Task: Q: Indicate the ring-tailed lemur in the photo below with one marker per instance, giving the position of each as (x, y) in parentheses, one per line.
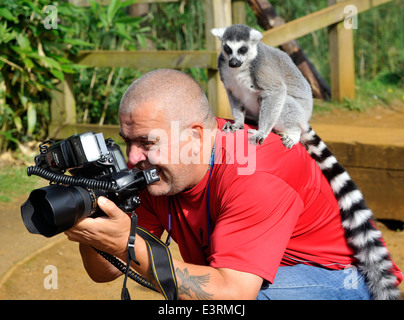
(263, 81)
(264, 85)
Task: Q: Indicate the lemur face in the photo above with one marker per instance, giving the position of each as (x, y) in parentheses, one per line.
(239, 43)
(236, 52)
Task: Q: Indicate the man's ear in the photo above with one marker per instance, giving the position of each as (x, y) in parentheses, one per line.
(197, 137)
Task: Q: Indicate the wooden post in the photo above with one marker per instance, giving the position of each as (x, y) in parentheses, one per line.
(342, 67)
(238, 11)
(63, 106)
(217, 15)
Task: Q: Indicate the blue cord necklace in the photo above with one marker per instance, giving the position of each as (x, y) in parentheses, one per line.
(210, 168)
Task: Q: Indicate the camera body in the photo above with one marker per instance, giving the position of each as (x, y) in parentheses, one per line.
(97, 167)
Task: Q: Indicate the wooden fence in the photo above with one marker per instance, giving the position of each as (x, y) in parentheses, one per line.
(220, 13)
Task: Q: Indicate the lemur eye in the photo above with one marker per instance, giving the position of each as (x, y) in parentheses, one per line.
(227, 49)
(243, 50)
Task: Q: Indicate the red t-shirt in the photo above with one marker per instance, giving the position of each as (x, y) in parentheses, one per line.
(268, 206)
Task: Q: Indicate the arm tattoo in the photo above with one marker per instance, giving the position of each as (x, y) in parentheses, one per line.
(193, 283)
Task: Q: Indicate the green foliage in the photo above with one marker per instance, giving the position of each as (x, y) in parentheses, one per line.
(167, 26)
(35, 49)
(99, 90)
(180, 26)
(110, 27)
(32, 61)
(379, 42)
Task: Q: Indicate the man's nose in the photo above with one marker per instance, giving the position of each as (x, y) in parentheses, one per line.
(136, 154)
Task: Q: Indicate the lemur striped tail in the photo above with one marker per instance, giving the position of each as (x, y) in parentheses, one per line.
(372, 256)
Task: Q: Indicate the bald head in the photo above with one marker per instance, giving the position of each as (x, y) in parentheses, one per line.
(174, 93)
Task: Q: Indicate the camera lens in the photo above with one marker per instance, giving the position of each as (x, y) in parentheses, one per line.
(56, 208)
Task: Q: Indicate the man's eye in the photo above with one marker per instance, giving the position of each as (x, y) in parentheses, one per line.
(148, 144)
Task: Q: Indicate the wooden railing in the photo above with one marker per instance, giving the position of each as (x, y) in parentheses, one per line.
(219, 13)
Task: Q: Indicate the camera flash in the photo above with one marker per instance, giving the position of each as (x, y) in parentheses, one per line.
(90, 146)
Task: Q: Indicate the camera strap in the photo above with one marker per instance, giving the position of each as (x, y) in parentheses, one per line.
(131, 255)
(161, 264)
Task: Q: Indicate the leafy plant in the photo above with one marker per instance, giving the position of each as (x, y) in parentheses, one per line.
(33, 59)
(107, 28)
(180, 26)
(35, 49)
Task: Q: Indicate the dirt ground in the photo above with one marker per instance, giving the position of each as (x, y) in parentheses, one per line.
(25, 259)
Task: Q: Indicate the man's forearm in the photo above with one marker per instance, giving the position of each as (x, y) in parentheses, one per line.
(194, 282)
(99, 269)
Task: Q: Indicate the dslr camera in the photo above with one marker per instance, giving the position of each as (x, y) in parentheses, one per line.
(97, 167)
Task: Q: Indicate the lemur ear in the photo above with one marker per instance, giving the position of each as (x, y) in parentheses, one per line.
(255, 35)
(218, 32)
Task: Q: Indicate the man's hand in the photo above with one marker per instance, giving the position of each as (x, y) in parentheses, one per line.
(110, 234)
(107, 233)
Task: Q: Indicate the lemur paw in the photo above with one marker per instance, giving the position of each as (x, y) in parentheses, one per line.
(257, 136)
(228, 126)
(287, 141)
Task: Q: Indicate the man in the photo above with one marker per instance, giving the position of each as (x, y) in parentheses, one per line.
(269, 229)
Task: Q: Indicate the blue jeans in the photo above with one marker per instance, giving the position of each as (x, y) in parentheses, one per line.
(303, 282)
